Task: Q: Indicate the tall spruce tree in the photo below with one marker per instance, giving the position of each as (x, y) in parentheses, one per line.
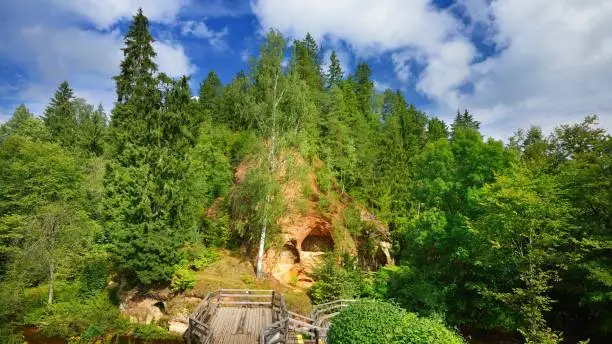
(334, 72)
(211, 91)
(137, 76)
(151, 133)
(60, 116)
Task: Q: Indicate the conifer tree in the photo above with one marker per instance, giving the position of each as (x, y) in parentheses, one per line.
(211, 91)
(364, 87)
(464, 120)
(137, 76)
(60, 116)
(436, 129)
(151, 132)
(307, 63)
(334, 72)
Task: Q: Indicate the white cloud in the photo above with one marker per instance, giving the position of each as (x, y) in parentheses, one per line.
(105, 13)
(554, 65)
(245, 55)
(557, 66)
(380, 86)
(172, 60)
(201, 30)
(87, 59)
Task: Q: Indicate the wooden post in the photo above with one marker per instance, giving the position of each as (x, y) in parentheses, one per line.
(189, 331)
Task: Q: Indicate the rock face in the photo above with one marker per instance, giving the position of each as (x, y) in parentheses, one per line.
(145, 310)
(308, 231)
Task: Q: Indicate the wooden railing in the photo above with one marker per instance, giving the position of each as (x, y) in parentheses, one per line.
(199, 332)
(323, 313)
(286, 328)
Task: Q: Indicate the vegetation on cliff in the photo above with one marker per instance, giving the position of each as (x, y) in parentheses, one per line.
(487, 236)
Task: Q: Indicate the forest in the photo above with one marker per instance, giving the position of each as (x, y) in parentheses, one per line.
(488, 237)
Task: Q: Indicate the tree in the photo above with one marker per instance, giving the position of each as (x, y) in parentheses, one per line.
(524, 223)
(364, 87)
(136, 79)
(57, 233)
(334, 72)
(436, 129)
(306, 62)
(270, 87)
(23, 123)
(464, 120)
(60, 117)
(153, 129)
(211, 91)
(91, 126)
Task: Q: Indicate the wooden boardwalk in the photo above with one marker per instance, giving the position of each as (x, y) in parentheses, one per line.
(239, 325)
(240, 316)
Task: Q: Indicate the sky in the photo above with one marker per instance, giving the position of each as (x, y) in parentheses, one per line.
(512, 63)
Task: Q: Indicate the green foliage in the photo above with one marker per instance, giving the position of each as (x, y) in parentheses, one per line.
(184, 279)
(418, 330)
(257, 191)
(351, 219)
(336, 281)
(368, 322)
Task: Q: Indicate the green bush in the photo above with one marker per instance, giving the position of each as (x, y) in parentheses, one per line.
(423, 331)
(184, 279)
(334, 281)
(367, 322)
(374, 322)
(94, 273)
(352, 220)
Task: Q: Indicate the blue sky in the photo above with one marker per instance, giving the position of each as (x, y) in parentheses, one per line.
(513, 63)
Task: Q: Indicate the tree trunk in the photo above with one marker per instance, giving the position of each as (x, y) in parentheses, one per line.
(51, 280)
(272, 168)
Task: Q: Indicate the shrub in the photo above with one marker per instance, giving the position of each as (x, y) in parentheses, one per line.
(335, 281)
(184, 279)
(417, 330)
(352, 220)
(373, 322)
(367, 322)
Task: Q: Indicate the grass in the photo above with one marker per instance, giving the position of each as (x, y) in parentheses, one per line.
(233, 270)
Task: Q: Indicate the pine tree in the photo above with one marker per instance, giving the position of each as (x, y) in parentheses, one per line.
(464, 120)
(436, 129)
(152, 131)
(211, 91)
(334, 73)
(364, 87)
(60, 117)
(307, 63)
(137, 76)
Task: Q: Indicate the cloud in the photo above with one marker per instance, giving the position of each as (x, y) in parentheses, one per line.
(556, 66)
(414, 32)
(47, 50)
(87, 59)
(172, 60)
(545, 62)
(105, 13)
(380, 86)
(200, 29)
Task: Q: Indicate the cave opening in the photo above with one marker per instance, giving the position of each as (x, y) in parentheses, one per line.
(318, 243)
